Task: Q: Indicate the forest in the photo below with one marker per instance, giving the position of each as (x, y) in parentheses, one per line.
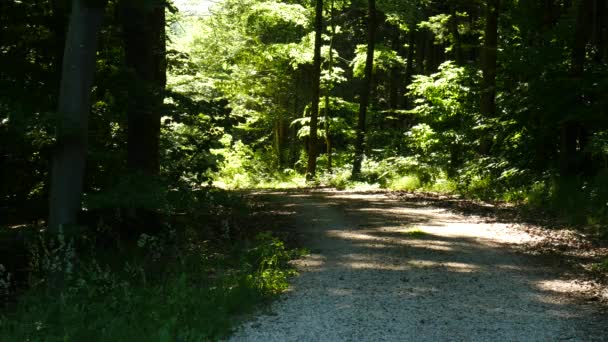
(133, 133)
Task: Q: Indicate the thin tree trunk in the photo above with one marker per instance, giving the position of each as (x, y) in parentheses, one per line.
(488, 67)
(69, 155)
(488, 60)
(395, 73)
(311, 167)
(145, 54)
(328, 146)
(457, 43)
(600, 30)
(409, 67)
(367, 87)
(571, 130)
(420, 51)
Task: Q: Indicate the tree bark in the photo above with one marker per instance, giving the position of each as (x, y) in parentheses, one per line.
(395, 80)
(571, 131)
(600, 30)
(328, 145)
(420, 51)
(411, 52)
(457, 41)
(367, 87)
(69, 155)
(311, 167)
(488, 68)
(488, 60)
(144, 41)
(145, 54)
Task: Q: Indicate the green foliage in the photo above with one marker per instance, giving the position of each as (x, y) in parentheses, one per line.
(192, 296)
(438, 24)
(415, 232)
(339, 179)
(384, 59)
(273, 270)
(601, 267)
(446, 107)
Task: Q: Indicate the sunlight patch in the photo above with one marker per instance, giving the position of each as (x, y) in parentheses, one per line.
(369, 265)
(458, 267)
(313, 261)
(350, 235)
(563, 286)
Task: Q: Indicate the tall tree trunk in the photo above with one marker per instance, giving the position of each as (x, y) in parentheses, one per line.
(70, 151)
(144, 41)
(420, 50)
(411, 50)
(330, 67)
(58, 23)
(488, 60)
(600, 31)
(488, 67)
(145, 56)
(311, 167)
(571, 130)
(367, 87)
(395, 80)
(457, 41)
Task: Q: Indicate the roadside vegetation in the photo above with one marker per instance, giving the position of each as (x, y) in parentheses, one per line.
(127, 127)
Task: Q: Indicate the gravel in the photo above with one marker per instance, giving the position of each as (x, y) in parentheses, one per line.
(382, 269)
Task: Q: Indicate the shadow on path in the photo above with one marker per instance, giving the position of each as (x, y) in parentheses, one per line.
(385, 270)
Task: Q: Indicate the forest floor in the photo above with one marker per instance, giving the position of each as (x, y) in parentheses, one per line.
(394, 266)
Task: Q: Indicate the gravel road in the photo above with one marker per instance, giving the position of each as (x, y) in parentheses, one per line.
(382, 269)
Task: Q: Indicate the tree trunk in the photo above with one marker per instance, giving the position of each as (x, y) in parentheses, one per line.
(457, 43)
(144, 41)
(488, 60)
(69, 154)
(420, 51)
(409, 67)
(395, 79)
(367, 87)
(600, 31)
(571, 130)
(145, 55)
(311, 167)
(488, 68)
(327, 93)
(57, 25)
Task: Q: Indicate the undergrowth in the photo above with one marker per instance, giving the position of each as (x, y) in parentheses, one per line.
(174, 286)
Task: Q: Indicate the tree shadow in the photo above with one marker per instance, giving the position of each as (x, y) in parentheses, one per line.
(365, 263)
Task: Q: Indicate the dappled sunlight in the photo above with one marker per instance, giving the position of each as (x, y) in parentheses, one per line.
(395, 264)
(458, 267)
(312, 262)
(562, 286)
(516, 268)
(300, 195)
(431, 244)
(350, 235)
(340, 292)
(370, 265)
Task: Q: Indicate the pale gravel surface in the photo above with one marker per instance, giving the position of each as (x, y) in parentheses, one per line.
(368, 280)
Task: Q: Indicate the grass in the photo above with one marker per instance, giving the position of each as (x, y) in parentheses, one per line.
(195, 299)
(600, 267)
(414, 232)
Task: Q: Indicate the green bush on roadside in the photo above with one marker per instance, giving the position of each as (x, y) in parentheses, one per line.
(194, 297)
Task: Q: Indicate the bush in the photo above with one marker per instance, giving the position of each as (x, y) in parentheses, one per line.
(195, 301)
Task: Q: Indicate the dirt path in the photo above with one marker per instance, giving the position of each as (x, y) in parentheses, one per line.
(388, 270)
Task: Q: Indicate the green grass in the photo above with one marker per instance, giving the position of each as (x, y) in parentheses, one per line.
(194, 298)
(600, 267)
(414, 232)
